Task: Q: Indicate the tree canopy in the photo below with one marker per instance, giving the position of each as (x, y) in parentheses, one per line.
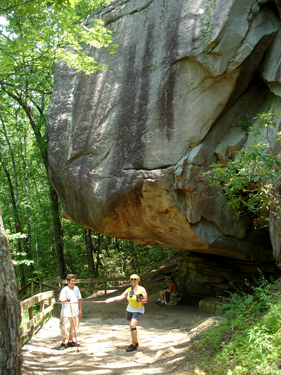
(35, 35)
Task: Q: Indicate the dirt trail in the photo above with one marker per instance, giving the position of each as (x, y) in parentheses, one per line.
(164, 333)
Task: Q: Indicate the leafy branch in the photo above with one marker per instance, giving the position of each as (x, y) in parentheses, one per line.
(251, 181)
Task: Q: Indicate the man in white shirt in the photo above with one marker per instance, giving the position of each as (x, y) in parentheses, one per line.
(70, 312)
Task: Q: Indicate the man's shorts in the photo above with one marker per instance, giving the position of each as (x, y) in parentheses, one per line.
(66, 325)
(135, 315)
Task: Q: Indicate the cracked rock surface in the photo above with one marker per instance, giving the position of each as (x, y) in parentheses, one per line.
(128, 145)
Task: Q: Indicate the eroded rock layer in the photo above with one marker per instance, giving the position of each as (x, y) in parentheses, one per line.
(128, 145)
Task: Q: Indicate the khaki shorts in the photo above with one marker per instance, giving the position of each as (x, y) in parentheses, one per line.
(66, 326)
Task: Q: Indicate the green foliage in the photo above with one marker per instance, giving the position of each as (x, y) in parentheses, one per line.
(28, 6)
(118, 257)
(250, 181)
(245, 123)
(248, 339)
(85, 7)
(36, 35)
(27, 175)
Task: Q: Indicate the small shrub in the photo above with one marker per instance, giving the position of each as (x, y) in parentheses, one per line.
(248, 341)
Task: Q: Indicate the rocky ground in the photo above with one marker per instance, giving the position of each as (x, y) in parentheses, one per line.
(164, 332)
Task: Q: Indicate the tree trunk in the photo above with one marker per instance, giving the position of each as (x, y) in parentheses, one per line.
(10, 317)
(22, 276)
(133, 258)
(90, 249)
(97, 251)
(58, 232)
(90, 259)
(117, 245)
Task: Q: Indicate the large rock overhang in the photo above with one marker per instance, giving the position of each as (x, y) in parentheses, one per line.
(127, 146)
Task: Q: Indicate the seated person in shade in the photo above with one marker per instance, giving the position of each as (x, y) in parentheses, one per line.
(165, 295)
(167, 276)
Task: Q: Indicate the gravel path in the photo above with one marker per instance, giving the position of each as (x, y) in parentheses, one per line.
(164, 334)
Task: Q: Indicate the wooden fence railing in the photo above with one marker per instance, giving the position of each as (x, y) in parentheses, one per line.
(30, 302)
(94, 284)
(60, 282)
(49, 297)
(33, 288)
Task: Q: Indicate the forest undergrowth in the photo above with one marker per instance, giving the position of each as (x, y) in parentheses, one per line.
(247, 341)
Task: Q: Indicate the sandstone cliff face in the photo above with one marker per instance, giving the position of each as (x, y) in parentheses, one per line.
(128, 146)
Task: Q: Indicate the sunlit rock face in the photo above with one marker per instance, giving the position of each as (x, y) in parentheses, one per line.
(128, 145)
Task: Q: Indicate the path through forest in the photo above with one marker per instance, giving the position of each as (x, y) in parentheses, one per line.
(164, 334)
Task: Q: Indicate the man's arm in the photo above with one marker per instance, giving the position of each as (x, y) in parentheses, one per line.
(67, 300)
(80, 307)
(63, 296)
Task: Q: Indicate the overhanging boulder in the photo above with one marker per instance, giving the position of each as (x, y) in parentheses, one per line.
(127, 146)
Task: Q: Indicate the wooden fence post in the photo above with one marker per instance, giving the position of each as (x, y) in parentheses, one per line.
(42, 309)
(30, 315)
(50, 302)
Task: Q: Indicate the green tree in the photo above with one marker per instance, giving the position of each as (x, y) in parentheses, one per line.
(23, 185)
(34, 37)
(35, 34)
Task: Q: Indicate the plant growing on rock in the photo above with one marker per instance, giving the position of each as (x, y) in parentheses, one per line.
(251, 181)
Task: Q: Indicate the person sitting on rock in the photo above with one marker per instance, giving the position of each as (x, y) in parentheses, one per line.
(165, 295)
(167, 276)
